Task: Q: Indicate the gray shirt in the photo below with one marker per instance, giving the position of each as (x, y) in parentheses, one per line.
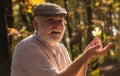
(34, 57)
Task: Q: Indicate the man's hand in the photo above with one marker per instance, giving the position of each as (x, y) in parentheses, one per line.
(95, 48)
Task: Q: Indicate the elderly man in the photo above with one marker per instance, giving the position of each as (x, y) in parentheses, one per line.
(42, 54)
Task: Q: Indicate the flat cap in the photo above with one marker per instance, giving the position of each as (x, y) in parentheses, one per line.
(49, 9)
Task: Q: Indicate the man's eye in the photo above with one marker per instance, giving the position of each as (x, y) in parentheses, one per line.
(51, 21)
(60, 21)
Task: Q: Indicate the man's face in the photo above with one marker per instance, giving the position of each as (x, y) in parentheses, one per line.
(51, 29)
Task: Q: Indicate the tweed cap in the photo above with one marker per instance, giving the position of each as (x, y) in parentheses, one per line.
(49, 9)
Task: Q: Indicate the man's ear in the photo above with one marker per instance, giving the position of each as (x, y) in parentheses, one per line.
(35, 24)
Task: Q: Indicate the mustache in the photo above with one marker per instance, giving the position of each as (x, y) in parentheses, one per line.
(55, 30)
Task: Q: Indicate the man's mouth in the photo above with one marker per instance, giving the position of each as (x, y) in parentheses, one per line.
(55, 31)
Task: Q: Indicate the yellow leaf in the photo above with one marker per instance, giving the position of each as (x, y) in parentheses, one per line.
(36, 2)
(97, 3)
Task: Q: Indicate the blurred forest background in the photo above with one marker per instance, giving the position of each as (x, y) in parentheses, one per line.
(85, 19)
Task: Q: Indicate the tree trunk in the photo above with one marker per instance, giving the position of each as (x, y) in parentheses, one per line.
(89, 18)
(5, 20)
(69, 30)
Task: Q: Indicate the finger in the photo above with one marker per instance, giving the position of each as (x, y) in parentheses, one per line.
(106, 48)
(95, 41)
(93, 48)
(92, 42)
(98, 42)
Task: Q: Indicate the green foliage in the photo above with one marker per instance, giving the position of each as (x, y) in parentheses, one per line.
(95, 72)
